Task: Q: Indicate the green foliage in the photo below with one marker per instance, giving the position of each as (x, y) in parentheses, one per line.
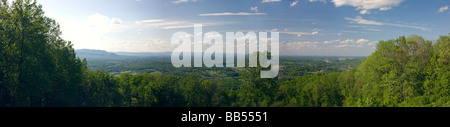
(403, 72)
(254, 90)
(38, 68)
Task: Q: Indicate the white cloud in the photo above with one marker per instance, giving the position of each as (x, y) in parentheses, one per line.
(102, 24)
(171, 24)
(370, 29)
(348, 45)
(159, 24)
(180, 1)
(360, 20)
(293, 3)
(301, 45)
(229, 13)
(361, 41)
(140, 45)
(183, 1)
(442, 9)
(330, 47)
(299, 34)
(332, 41)
(268, 1)
(177, 26)
(323, 1)
(150, 21)
(90, 32)
(364, 12)
(341, 46)
(98, 31)
(366, 5)
(372, 43)
(315, 31)
(116, 21)
(168, 24)
(408, 26)
(254, 8)
(365, 27)
(347, 41)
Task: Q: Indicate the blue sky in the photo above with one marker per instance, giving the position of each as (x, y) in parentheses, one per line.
(307, 27)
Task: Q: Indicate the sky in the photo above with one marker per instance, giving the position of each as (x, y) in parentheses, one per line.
(306, 27)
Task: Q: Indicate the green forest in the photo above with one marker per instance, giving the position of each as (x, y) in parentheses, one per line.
(40, 69)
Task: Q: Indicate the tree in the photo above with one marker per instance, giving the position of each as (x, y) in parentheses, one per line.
(35, 60)
(254, 90)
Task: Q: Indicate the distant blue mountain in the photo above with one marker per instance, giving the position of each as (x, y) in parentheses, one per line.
(94, 54)
(145, 54)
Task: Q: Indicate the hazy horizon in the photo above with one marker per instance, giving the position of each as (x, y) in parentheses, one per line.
(225, 53)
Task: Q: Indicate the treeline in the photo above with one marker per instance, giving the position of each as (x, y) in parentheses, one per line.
(38, 68)
(402, 72)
